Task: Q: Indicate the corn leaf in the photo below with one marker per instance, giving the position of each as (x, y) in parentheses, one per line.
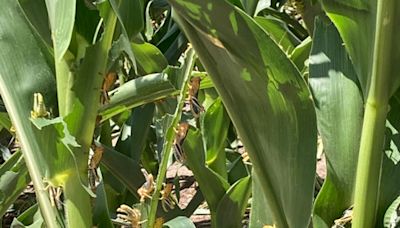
(356, 22)
(234, 203)
(23, 72)
(62, 19)
(265, 97)
(215, 125)
(14, 178)
(180, 222)
(211, 184)
(335, 88)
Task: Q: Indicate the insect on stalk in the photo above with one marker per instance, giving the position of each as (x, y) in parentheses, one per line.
(195, 107)
(180, 136)
(94, 163)
(168, 201)
(108, 82)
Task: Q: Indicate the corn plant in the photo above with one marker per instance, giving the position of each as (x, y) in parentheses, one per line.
(104, 98)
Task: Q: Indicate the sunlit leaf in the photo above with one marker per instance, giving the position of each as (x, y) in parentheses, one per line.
(265, 97)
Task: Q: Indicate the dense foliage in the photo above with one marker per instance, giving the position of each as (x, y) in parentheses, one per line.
(106, 101)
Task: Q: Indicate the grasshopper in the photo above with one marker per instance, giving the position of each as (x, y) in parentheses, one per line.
(167, 199)
(147, 188)
(94, 163)
(108, 82)
(195, 107)
(39, 108)
(180, 136)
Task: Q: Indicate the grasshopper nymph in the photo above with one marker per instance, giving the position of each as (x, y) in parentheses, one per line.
(39, 108)
(167, 199)
(180, 136)
(147, 188)
(195, 106)
(108, 83)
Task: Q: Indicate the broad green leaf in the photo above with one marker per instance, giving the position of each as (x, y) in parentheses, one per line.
(172, 43)
(130, 16)
(14, 178)
(24, 71)
(57, 148)
(234, 203)
(64, 166)
(235, 166)
(62, 18)
(180, 222)
(211, 184)
(279, 32)
(260, 214)
(141, 91)
(266, 98)
(36, 12)
(250, 6)
(356, 22)
(117, 164)
(134, 133)
(335, 89)
(297, 28)
(214, 129)
(300, 54)
(148, 57)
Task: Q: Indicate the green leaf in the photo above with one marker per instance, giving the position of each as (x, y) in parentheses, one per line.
(139, 91)
(62, 18)
(234, 203)
(101, 215)
(211, 184)
(300, 54)
(279, 32)
(262, 91)
(36, 13)
(250, 6)
(214, 129)
(260, 214)
(335, 88)
(117, 163)
(149, 58)
(5, 120)
(180, 222)
(356, 22)
(130, 15)
(14, 178)
(30, 218)
(23, 72)
(135, 131)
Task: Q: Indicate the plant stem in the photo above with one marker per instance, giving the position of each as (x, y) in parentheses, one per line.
(85, 94)
(77, 204)
(373, 132)
(169, 136)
